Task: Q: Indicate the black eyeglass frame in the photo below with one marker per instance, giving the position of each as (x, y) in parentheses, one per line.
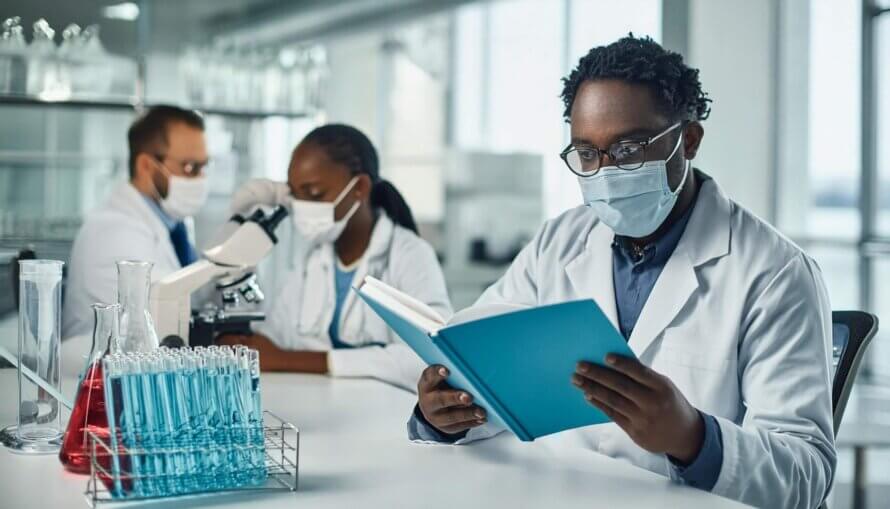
(610, 152)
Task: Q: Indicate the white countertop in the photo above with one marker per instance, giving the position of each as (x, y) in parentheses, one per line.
(354, 452)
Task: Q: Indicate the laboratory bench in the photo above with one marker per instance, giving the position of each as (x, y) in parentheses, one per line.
(354, 451)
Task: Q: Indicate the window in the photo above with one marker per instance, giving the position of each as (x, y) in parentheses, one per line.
(509, 58)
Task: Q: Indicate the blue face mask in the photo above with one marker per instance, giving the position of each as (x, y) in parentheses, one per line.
(633, 203)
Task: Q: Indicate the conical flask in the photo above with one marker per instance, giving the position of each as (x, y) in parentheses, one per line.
(133, 286)
(89, 414)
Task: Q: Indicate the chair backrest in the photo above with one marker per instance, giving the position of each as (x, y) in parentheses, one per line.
(852, 331)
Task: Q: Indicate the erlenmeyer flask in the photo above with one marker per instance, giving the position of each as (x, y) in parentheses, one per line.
(133, 286)
(89, 414)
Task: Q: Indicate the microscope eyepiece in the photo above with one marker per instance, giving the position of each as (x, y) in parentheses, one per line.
(270, 222)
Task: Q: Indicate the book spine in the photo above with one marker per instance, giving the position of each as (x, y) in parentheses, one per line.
(445, 347)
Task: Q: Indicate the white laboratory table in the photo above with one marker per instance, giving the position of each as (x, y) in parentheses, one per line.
(354, 452)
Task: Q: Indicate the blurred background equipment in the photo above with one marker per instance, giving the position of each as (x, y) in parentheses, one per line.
(461, 97)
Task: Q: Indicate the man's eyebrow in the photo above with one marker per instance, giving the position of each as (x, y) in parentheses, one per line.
(635, 134)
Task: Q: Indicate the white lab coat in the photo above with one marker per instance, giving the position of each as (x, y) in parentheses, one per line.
(739, 320)
(301, 313)
(125, 228)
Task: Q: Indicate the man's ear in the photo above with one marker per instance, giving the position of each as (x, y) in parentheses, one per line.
(143, 167)
(692, 136)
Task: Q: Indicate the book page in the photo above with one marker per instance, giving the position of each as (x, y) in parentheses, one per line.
(404, 305)
(479, 312)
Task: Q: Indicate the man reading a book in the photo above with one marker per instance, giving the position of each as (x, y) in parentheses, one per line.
(730, 320)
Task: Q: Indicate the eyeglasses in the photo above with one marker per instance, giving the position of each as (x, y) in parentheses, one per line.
(626, 155)
(190, 168)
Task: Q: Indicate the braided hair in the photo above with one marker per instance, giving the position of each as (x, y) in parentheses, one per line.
(348, 146)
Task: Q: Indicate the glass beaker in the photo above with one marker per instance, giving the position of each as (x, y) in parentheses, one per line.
(39, 426)
(89, 414)
(133, 287)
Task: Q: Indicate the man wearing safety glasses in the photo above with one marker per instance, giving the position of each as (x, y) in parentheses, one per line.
(145, 217)
(729, 319)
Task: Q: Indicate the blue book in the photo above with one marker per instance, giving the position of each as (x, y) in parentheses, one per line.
(516, 361)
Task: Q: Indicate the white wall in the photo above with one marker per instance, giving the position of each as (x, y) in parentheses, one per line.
(352, 91)
(732, 43)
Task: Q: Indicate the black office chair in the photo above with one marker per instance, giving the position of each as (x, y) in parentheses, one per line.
(852, 331)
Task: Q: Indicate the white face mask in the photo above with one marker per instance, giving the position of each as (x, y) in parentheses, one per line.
(185, 196)
(633, 203)
(315, 220)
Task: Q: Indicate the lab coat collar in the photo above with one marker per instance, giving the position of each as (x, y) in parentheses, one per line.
(590, 272)
(128, 200)
(378, 249)
(706, 238)
(316, 310)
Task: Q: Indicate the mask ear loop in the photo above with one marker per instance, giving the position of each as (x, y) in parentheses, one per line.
(352, 210)
(685, 167)
(345, 191)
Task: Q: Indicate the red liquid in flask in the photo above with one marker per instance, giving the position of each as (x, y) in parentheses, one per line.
(88, 416)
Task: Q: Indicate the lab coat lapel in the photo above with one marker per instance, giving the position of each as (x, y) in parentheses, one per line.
(675, 285)
(591, 271)
(706, 237)
(316, 300)
(374, 257)
(126, 199)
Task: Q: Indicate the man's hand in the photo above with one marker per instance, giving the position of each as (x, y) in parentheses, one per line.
(645, 404)
(448, 410)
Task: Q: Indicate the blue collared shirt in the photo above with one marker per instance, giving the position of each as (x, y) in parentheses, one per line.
(185, 251)
(165, 218)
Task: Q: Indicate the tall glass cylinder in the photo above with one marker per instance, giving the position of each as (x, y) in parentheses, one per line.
(39, 427)
(133, 287)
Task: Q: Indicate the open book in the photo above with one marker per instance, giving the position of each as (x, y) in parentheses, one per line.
(516, 361)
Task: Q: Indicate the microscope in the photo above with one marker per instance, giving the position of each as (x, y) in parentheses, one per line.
(231, 262)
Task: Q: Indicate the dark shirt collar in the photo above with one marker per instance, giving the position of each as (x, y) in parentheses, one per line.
(659, 250)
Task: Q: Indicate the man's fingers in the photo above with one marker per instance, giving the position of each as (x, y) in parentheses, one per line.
(614, 380)
(445, 399)
(617, 417)
(461, 427)
(455, 416)
(608, 396)
(431, 377)
(634, 369)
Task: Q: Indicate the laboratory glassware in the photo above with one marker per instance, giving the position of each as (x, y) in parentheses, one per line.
(43, 78)
(12, 56)
(39, 427)
(88, 415)
(133, 287)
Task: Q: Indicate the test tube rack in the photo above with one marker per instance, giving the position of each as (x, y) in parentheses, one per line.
(282, 451)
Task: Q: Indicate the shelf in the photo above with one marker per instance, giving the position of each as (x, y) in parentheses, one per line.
(134, 104)
(21, 100)
(249, 114)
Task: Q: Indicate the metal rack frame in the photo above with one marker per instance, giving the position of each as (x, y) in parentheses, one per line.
(282, 453)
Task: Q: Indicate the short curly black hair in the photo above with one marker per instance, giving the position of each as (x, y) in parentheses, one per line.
(643, 61)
